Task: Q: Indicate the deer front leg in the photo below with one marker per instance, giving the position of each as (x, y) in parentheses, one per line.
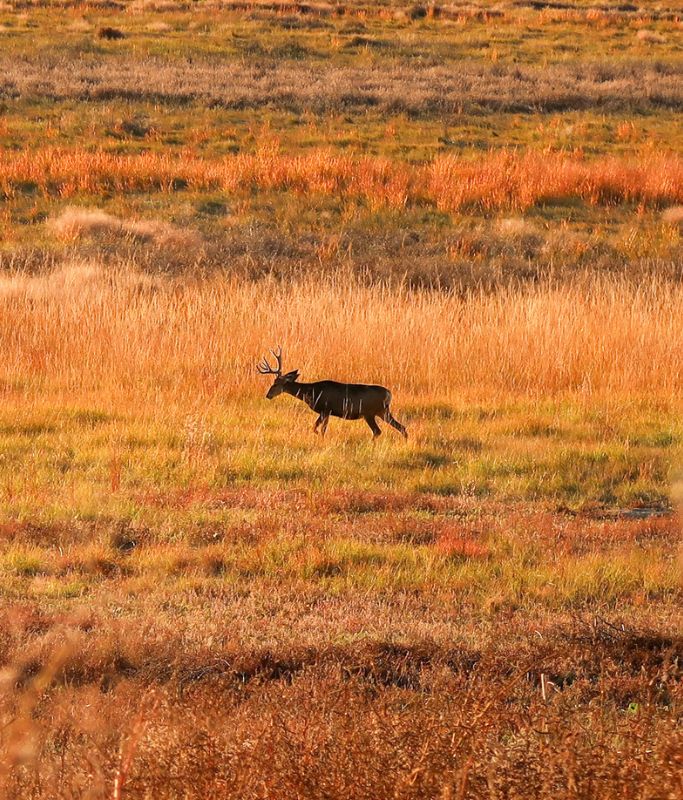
(374, 427)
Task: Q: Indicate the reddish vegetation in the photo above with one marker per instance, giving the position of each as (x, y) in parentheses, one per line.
(578, 710)
(453, 544)
(505, 179)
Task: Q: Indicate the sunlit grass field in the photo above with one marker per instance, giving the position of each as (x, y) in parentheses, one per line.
(171, 538)
(477, 206)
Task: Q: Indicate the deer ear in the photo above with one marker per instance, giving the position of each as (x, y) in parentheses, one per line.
(291, 376)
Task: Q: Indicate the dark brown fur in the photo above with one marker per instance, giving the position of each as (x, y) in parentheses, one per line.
(334, 399)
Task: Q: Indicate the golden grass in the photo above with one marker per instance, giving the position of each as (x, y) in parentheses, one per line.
(82, 327)
(504, 179)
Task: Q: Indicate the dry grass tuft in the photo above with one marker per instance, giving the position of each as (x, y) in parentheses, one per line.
(158, 27)
(515, 227)
(155, 7)
(454, 545)
(160, 234)
(673, 215)
(651, 37)
(74, 223)
(80, 24)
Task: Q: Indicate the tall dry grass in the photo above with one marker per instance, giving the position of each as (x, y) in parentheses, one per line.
(84, 328)
(508, 179)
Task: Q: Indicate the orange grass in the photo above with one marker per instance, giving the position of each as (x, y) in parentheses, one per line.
(84, 328)
(503, 179)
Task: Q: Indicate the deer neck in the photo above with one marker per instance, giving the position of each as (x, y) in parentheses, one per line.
(299, 390)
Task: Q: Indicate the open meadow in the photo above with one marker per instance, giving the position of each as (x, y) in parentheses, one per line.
(477, 206)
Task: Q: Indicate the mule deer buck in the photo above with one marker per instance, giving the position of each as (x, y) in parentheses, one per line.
(333, 399)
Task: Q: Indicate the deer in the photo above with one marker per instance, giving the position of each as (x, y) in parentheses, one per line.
(333, 399)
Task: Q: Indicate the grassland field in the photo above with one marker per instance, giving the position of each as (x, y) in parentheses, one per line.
(479, 206)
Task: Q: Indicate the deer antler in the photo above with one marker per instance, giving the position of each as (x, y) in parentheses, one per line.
(264, 367)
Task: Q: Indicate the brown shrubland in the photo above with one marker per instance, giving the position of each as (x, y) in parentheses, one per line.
(298, 86)
(581, 708)
(614, 13)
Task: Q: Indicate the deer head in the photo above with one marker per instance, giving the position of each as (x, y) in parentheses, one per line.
(281, 380)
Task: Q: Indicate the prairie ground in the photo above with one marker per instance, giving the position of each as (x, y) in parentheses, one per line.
(479, 207)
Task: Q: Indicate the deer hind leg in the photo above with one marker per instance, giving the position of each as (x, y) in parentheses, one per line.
(323, 419)
(374, 427)
(395, 423)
